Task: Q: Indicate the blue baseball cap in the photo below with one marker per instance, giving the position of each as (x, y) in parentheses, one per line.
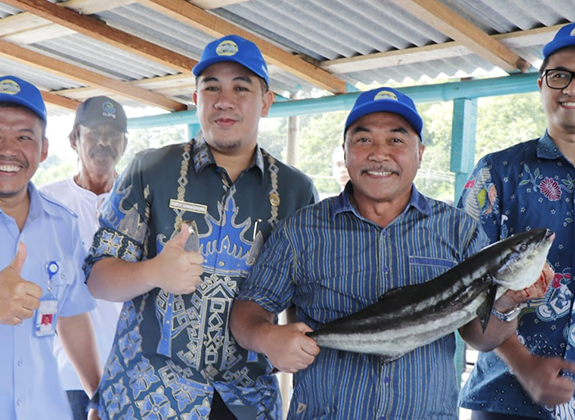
(236, 49)
(18, 91)
(385, 99)
(565, 37)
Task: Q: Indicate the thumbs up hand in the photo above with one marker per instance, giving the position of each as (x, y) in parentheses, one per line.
(176, 270)
(18, 298)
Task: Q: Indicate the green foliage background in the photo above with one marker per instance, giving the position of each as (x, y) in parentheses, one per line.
(502, 122)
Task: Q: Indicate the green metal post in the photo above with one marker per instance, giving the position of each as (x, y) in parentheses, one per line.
(463, 130)
(193, 129)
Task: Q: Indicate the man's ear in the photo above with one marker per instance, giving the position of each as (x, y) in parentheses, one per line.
(268, 100)
(44, 153)
(73, 138)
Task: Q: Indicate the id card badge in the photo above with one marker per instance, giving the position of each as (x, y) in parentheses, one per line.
(45, 322)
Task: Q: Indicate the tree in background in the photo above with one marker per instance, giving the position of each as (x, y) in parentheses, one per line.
(502, 122)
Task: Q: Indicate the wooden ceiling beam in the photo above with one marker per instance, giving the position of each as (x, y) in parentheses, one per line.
(61, 101)
(214, 4)
(84, 76)
(519, 39)
(445, 20)
(206, 22)
(102, 32)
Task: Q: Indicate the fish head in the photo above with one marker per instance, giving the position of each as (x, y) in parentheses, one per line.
(523, 257)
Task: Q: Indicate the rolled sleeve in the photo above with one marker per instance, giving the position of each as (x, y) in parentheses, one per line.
(271, 283)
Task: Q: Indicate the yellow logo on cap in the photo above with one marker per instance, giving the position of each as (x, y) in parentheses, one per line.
(572, 32)
(227, 47)
(10, 87)
(385, 94)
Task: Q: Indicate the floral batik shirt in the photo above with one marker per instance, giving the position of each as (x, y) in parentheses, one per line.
(171, 351)
(527, 186)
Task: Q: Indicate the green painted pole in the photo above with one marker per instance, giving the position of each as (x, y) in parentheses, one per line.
(463, 131)
(507, 85)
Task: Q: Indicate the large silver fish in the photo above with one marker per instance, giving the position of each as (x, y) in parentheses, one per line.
(409, 317)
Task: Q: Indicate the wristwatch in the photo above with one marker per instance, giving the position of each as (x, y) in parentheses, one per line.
(510, 315)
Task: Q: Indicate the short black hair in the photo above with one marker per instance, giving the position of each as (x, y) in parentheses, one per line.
(6, 104)
(546, 60)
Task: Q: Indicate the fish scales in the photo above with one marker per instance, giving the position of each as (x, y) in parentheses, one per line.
(408, 317)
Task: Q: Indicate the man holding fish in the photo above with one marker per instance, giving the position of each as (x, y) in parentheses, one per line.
(341, 255)
(526, 186)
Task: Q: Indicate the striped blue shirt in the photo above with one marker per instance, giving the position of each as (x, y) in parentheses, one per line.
(329, 262)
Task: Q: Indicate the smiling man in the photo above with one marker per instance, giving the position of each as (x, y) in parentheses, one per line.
(341, 255)
(524, 187)
(42, 286)
(99, 138)
(173, 354)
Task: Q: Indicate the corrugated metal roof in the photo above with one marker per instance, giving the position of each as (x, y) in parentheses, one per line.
(324, 32)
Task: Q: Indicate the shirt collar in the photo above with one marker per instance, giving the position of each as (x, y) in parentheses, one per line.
(343, 204)
(203, 157)
(546, 148)
(37, 204)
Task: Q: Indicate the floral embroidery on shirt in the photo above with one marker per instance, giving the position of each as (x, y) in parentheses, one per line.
(550, 189)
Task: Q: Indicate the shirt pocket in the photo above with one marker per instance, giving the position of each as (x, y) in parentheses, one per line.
(326, 298)
(424, 268)
(62, 279)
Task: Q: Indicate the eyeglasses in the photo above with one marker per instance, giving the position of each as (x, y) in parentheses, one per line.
(558, 78)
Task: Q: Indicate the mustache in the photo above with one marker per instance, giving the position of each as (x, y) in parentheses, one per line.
(11, 159)
(378, 169)
(103, 150)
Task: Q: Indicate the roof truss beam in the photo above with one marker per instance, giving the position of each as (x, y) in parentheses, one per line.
(84, 76)
(445, 20)
(519, 39)
(102, 32)
(206, 22)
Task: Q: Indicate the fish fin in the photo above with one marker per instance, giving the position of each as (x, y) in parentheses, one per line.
(391, 293)
(388, 358)
(484, 311)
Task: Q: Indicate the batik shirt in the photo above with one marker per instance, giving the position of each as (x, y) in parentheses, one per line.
(171, 351)
(527, 186)
(330, 262)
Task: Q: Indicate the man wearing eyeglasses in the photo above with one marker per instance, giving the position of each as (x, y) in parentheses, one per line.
(527, 186)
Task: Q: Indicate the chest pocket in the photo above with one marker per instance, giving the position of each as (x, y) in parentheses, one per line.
(61, 280)
(422, 269)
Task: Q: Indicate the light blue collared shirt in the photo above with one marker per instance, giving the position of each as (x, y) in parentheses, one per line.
(29, 383)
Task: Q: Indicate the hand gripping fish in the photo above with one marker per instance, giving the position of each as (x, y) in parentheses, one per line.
(412, 316)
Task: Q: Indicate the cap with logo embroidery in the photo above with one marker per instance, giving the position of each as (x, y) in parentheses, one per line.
(385, 99)
(18, 91)
(236, 49)
(101, 110)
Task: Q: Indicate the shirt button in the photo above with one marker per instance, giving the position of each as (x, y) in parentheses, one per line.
(20, 362)
(19, 402)
(386, 269)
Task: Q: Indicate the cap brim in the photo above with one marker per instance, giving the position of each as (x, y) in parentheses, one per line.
(557, 45)
(18, 100)
(200, 67)
(386, 105)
